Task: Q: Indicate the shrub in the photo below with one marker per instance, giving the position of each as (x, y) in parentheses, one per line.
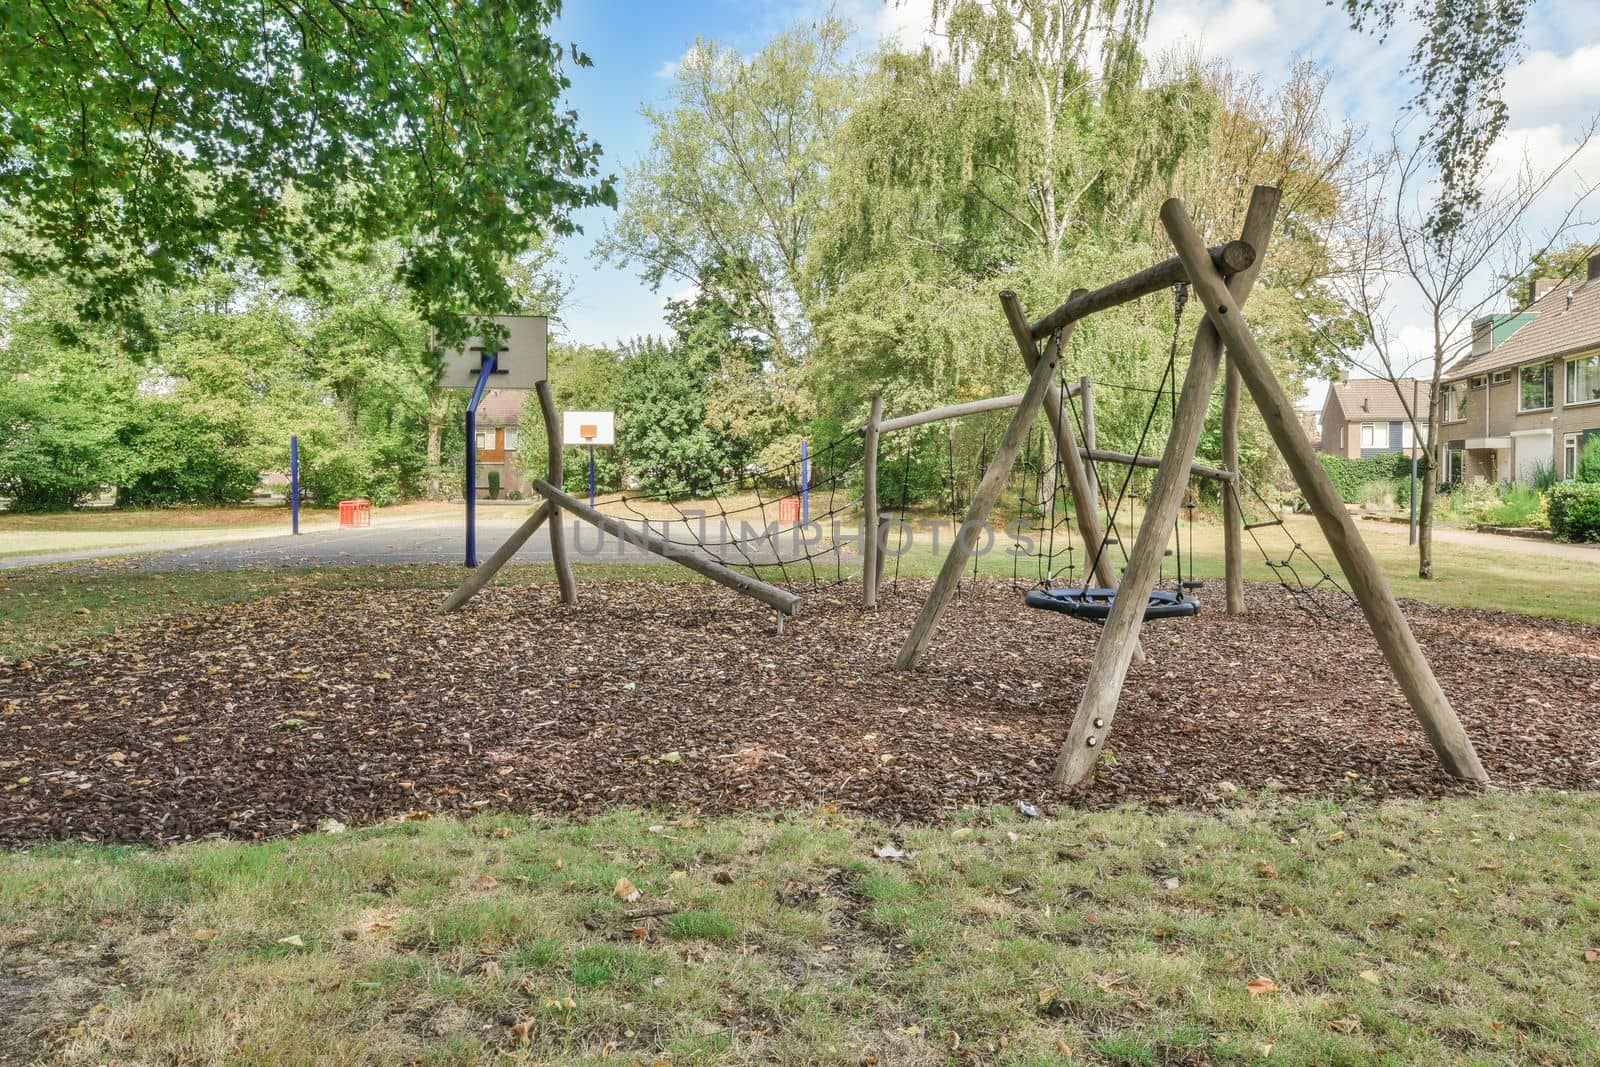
(1518, 506)
(1376, 493)
(1589, 463)
(1541, 476)
(1351, 476)
(494, 485)
(1575, 511)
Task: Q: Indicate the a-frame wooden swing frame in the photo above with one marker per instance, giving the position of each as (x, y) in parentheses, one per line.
(1220, 279)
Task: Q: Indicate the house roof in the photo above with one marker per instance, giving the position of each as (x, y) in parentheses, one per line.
(1556, 330)
(1375, 399)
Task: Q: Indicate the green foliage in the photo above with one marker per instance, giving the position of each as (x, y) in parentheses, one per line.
(1575, 511)
(1352, 476)
(1541, 476)
(494, 484)
(1589, 462)
(149, 143)
(662, 433)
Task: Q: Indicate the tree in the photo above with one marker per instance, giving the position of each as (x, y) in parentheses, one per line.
(1397, 256)
(145, 143)
(732, 179)
(662, 433)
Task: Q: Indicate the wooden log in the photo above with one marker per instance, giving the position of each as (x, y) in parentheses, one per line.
(1090, 437)
(780, 599)
(1083, 493)
(1232, 519)
(869, 508)
(558, 535)
(1231, 258)
(984, 499)
(1411, 669)
(1101, 455)
(883, 541)
(502, 555)
(1103, 689)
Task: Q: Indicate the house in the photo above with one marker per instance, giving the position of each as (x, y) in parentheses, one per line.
(1526, 397)
(500, 443)
(1364, 417)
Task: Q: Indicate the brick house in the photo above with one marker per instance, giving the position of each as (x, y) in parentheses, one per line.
(500, 442)
(1527, 395)
(1364, 417)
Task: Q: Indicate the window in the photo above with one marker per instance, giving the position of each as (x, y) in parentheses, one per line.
(1538, 388)
(1583, 380)
(1374, 435)
(1480, 381)
(1455, 466)
(1501, 377)
(513, 439)
(1455, 403)
(1570, 451)
(485, 440)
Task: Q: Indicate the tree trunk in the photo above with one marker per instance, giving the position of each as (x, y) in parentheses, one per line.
(1429, 484)
(437, 410)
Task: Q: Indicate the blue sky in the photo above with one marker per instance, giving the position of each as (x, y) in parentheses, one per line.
(633, 46)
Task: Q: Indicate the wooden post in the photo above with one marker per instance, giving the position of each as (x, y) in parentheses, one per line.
(1090, 437)
(502, 555)
(869, 508)
(1231, 258)
(1127, 459)
(558, 536)
(883, 542)
(1083, 497)
(1103, 690)
(983, 502)
(1428, 701)
(1232, 520)
(779, 599)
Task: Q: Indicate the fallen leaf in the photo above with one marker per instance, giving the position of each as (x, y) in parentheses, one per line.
(625, 891)
(331, 826)
(1371, 977)
(1591, 955)
(485, 881)
(888, 852)
(1345, 1024)
(292, 939)
(206, 935)
(1260, 987)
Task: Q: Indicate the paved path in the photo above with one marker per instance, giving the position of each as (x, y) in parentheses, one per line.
(1513, 546)
(419, 540)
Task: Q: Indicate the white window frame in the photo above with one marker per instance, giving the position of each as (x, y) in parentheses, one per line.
(1451, 407)
(1501, 377)
(1570, 454)
(513, 439)
(1550, 388)
(1455, 462)
(1569, 379)
(1375, 435)
(483, 436)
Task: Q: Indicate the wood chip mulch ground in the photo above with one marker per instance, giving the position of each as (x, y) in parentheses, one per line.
(265, 719)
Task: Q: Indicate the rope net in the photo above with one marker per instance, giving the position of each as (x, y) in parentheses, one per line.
(740, 524)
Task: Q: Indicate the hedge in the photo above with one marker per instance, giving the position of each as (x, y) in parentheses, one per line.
(1575, 511)
(1350, 475)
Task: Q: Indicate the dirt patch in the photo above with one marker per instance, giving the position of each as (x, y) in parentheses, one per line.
(263, 719)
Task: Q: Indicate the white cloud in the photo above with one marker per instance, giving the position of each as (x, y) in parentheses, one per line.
(1211, 30)
(907, 22)
(1547, 81)
(1539, 149)
(669, 69)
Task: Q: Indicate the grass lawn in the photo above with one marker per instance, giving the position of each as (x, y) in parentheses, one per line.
(1274, 932)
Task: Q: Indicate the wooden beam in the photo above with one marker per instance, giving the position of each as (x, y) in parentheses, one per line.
(1090, 437)
(502, 555)
(1231, 258)
(1232, 519)
(558, 535)
(1389, 627)
(869, 509)
(1100, 455)
(984, 499)
(780, 599)
(1083, 491)
(1103, 690)
(952, 411)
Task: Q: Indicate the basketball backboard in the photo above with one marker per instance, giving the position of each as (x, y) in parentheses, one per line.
(597, 428)
(521, 357)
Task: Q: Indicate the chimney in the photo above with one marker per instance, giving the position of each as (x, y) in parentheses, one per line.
(1483, 336)
(1541, 286)
(1594, 266)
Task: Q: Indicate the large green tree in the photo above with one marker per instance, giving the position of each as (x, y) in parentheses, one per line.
(145, 143)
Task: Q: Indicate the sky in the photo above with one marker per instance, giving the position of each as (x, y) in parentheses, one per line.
(1552, 93)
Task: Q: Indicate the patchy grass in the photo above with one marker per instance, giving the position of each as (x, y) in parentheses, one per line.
(1316, 933)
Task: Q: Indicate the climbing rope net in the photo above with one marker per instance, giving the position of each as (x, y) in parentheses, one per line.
(740, 521)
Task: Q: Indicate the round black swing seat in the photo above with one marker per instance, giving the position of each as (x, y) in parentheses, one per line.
(1096, 604)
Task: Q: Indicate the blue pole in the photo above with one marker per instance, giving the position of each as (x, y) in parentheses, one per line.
(294, 483)
(591, 476)
(805, 481)
(485, 369)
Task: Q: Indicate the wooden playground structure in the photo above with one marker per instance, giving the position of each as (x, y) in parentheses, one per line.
(1221, 279)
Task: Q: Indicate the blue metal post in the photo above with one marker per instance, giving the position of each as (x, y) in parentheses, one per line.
(294, 483)
(591, 476)
(485, 370)
(805, 481)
